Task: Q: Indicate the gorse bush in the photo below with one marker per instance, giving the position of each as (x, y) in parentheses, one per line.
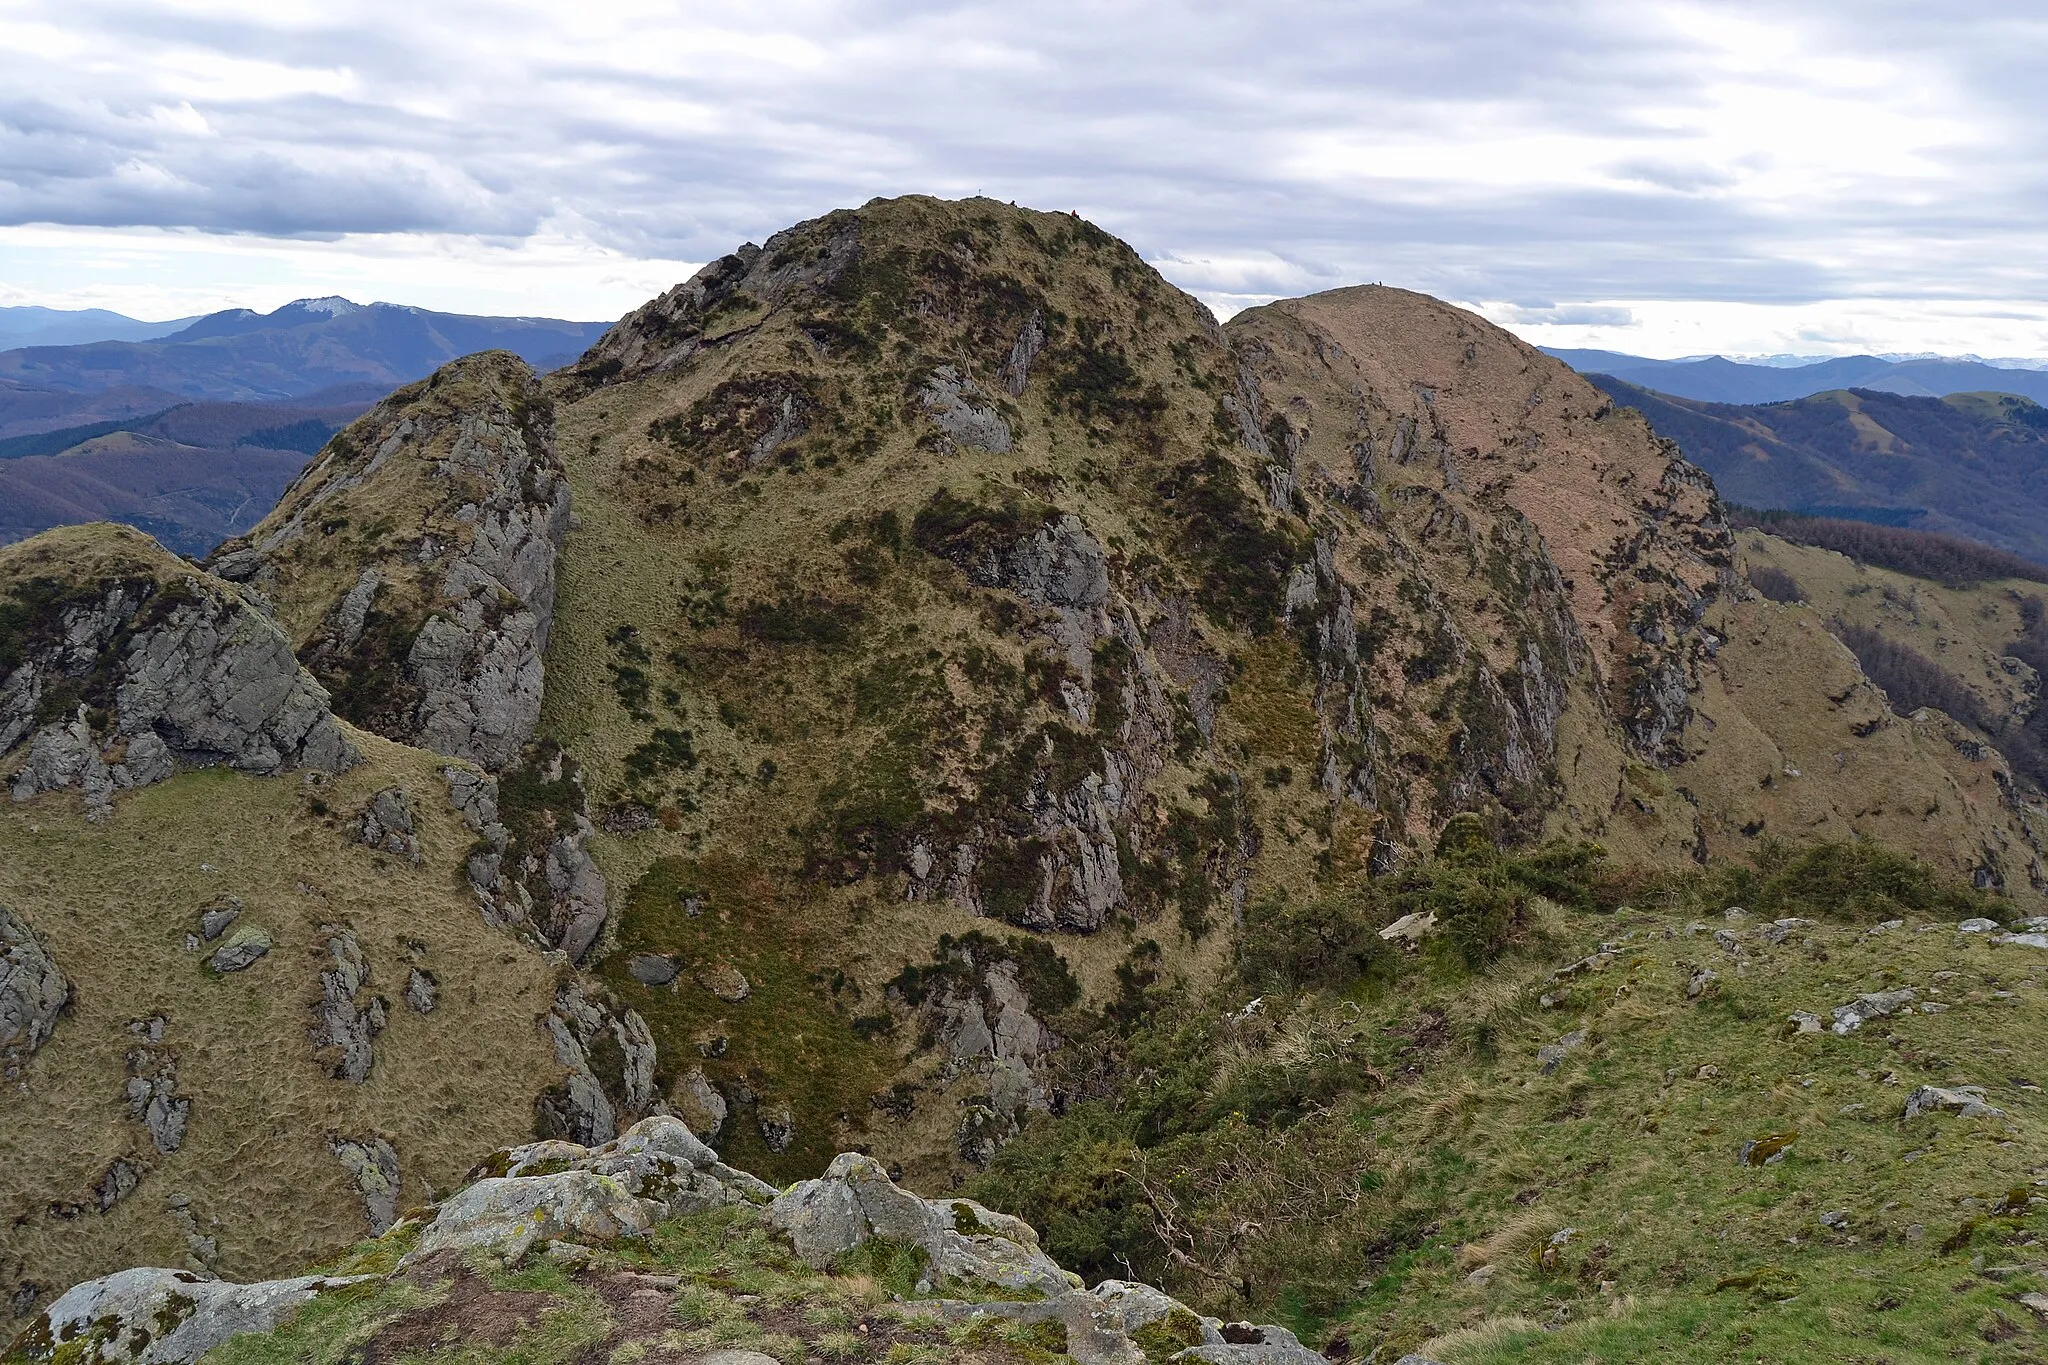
(1479, 894)
(1862, 882)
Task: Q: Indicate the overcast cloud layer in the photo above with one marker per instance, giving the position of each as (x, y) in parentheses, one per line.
(1659, 177)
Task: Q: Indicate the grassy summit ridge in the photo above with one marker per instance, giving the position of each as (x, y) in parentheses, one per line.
(940, 564)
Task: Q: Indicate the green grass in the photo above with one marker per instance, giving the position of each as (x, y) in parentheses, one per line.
(1345, 1158)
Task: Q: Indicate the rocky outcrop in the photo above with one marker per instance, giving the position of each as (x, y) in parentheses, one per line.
(386, 825)
(372, 1166)
(132, 666)
(711, 309)
(162, 1317)
(33, 992)
(349, 1014)
(855, 1200)
(457, 507)
(588, 1106)
(951, 401)
(542, 879)
(563, 1198)
(566, 1192)
(154, 1102)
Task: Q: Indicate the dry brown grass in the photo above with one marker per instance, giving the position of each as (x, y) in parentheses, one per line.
(114, 902)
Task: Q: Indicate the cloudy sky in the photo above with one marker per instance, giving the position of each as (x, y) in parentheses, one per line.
(1659, 177)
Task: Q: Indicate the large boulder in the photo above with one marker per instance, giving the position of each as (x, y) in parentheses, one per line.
(855, 1200)
(505, 1216)
(160, 1317)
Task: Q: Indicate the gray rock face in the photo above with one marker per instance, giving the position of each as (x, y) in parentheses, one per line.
(1016, 374)
(387, 825)
(372, 1166)
(990, 1030)
(855, 1200)
(195, 677)
(33, 993)
(217, 917)
(475, 797)
(241, 951)
(563, 1191)
(948, 399)
(577, 894)
(1876, 1005)
(476, 583)
(117, 1183)
(654, 969)
(219, 684)
(348, 1015)
(586, 1107)
(151, 1090)
(1964, 1101)
(422, 990)
(163, 1317)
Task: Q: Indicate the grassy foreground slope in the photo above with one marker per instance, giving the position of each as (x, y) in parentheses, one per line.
(1569, 1133)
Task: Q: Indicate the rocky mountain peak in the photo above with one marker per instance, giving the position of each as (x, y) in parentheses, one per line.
(413, 563)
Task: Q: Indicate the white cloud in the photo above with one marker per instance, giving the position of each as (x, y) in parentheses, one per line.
(1712, 172)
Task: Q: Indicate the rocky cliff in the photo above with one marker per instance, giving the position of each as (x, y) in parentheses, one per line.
(413, 563)
(227, 914)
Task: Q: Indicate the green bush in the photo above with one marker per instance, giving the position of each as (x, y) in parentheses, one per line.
(1841, 880)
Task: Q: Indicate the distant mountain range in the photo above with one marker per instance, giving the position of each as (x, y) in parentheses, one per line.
(76, 327)
(243, 356)
(194, 434)
(191, 475)
(1720, 380)
(1972, 465)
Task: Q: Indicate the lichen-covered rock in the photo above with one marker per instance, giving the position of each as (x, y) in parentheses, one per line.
(161, 1317)
(386, 824)
(658, 1160)
(348, 1016)
(505, 1216)
(372, 1166)
(855, 1200)
(1874, 1005)
(587, 1107)
(33, 993)
(435, 636)
(242, 950)
(1963, 1101)
(1246, 1344)
(158, 668)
